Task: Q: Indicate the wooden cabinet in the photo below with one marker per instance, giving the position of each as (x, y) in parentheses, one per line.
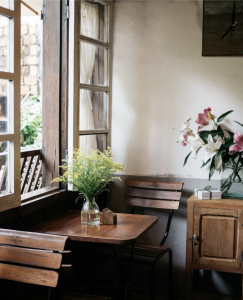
(214, 237)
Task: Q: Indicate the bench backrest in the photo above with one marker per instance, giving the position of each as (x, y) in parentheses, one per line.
(31, 257)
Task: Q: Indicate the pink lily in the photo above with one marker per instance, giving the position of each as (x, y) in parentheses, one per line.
(206, 119)
(238, 147)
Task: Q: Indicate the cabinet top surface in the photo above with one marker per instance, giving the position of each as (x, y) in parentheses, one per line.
(220, 202)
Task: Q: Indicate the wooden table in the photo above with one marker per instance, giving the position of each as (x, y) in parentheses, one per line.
(126, 231)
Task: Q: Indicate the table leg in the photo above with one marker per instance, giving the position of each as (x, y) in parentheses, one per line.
(125, 278)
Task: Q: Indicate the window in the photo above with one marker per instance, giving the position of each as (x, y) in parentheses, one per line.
(90, 90)
(10, 104)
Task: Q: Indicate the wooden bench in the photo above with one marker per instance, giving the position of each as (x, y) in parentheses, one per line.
(36, 259)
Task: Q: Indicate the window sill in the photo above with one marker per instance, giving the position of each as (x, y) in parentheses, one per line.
(42, 199)
(38, 194)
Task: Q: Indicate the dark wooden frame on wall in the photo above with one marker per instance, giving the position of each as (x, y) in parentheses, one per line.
(217, 21)
(55, 88)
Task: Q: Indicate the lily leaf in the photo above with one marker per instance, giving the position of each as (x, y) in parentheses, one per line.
(239, 123)
(219, 128)
(221, 118)
(204, 164)
(212, 168)
(220, 152)
(204, 134)
(185, 161)
(231, 134)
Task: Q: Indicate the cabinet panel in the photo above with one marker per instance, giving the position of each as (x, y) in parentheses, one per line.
(218, 236)
(215, 241)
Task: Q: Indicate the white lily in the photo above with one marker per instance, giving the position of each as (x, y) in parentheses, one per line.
(195, 142)
(211, 149)
(185, 131)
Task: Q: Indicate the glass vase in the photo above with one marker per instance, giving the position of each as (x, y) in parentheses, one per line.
(232, 181)
(90, 213)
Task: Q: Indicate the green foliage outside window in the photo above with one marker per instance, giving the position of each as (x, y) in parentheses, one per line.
(31, 122)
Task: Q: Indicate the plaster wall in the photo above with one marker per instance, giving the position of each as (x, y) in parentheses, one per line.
(160, 78)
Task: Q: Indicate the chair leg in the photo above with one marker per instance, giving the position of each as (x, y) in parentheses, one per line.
(153, 281)
(50, 293)
(92, 286)
(170, 276)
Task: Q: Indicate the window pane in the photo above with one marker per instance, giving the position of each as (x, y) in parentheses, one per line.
(4, 105)
(94, 18)
(4, 44)
(93, 60)
(94, 141)
(4, 168)
(7, 4)
(93, 110)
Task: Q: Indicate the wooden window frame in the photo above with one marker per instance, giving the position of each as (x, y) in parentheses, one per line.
(75, 86)
(13, 199)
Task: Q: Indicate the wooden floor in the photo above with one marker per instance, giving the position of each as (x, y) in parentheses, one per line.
(195, 296)
(206, 296)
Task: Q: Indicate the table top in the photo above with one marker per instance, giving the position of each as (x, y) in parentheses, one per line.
(128, 228)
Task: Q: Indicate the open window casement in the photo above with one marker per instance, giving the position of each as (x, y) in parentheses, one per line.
(10, 106)
(90, 65)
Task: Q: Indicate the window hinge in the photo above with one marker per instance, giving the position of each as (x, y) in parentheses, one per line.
(68, 15)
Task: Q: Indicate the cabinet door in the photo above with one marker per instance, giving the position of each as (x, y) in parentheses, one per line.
(216, 236)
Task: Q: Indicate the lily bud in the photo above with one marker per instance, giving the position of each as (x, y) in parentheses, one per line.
(210, 116)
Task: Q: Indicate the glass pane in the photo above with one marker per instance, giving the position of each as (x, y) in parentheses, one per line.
(4, 168)
(94, 141)
(93, 110)
(94, 18)
(4, 101)
(93, 60)
(4, 44)
(7, 4)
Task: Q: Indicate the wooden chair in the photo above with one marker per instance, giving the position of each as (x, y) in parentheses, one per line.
(36, 259)
(153, 194)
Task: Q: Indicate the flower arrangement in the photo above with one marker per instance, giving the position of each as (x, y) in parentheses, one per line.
(90, 175)
(222, 148)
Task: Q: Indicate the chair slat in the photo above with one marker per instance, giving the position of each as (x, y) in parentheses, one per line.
(29, 275)
(176, 186)
(31, 257)
(153, 194)
(152, 203)
(32, 240)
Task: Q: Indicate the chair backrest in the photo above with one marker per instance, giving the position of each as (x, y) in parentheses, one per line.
(31, 257)
(154, 194)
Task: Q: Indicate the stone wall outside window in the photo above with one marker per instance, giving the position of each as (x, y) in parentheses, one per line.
(31, 32)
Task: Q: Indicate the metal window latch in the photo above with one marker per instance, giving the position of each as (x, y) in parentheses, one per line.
(195, 237)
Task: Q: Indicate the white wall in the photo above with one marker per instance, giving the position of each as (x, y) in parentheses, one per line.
(159, 78)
